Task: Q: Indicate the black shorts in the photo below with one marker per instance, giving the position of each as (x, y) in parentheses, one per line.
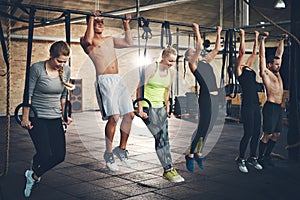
(272, 118)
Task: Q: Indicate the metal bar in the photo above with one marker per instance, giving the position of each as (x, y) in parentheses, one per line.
(29, 51)
(44, 25)
(68, 27)
(11, 16)
(102, 14)
(269, 36)
(265, 24)
(177, 65)
(121, 17)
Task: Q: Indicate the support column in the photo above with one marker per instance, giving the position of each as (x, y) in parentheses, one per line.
(293, 132)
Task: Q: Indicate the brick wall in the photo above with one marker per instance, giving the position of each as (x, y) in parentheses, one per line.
(81, 66)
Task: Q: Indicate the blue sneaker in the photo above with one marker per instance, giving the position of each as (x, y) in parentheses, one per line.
(189, 163)
(199, 160)
(29, 182)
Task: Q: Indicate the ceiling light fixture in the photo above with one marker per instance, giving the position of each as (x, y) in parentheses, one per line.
(279, 4)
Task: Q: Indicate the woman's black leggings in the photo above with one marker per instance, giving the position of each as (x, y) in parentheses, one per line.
(205, 113)
(49, 141)
(251, 117)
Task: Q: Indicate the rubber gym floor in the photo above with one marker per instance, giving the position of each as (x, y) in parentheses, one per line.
(83, 174)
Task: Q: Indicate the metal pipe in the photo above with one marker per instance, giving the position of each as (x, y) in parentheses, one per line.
(109, 15)
(29, 52)
(265, 24)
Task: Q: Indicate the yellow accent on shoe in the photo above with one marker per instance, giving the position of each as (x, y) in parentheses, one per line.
(173, 176)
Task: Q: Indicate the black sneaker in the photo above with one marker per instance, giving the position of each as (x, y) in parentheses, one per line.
(253, 161)
(266, 161)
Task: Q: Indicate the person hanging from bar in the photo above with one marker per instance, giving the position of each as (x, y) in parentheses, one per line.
(272, 112)
(48, 84)
(250, 108)
(199, 63)
(157, 84)
(112, 94)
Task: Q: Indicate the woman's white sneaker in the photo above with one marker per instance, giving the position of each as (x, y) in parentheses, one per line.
(242, 165)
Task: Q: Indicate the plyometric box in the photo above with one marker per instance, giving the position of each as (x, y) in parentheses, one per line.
(76, 95)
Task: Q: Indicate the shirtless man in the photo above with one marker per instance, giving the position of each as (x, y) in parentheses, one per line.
(113, 97)
(272, 117)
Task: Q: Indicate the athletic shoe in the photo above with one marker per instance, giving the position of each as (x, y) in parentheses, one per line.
(29, 182)
(242, 165)
(110, 162)
(173, 176)
(261, 161)
(253, 161)
(199, 160)
(189, 163)
(122, 154)
(266, 161)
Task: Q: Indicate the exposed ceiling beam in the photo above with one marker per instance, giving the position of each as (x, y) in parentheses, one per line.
(17, 12)
(143, 8)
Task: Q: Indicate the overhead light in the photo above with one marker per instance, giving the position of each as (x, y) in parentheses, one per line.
(279, 4)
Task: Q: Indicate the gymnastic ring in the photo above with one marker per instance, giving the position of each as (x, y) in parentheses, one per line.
(146, 121)
(32, 108)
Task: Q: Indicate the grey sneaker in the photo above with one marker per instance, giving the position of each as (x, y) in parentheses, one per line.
(253, 161)
(29, 182)
(242, 165)
(110, 162)
(122, 154)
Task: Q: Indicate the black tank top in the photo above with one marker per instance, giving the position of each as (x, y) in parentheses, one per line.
(206, 77)
(249, 86)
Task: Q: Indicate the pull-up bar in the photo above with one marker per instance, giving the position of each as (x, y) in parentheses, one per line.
(102, 14)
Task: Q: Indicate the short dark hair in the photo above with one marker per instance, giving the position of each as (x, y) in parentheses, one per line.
(271, 59)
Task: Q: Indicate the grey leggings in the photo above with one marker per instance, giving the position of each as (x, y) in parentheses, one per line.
(159, 128)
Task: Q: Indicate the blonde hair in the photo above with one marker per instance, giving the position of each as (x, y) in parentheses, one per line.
(168, 50)
(69, 86)
(61, 48)
(187, 53)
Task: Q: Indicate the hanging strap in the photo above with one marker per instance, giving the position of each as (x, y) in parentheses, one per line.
(232, 64)
(165, 32)
(143, 23)
(28, 62)
(225, 51)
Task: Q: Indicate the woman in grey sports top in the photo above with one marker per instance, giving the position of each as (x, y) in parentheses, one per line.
(48, 84)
